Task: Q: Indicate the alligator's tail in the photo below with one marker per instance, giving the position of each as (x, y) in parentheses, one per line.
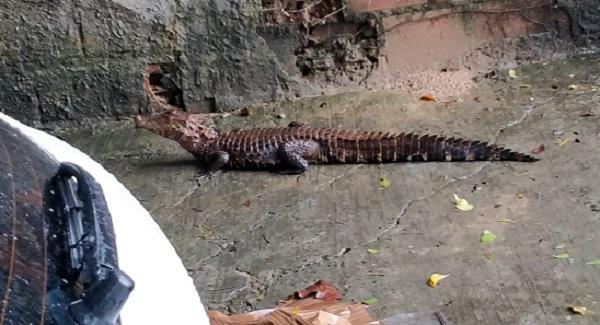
(380, 147)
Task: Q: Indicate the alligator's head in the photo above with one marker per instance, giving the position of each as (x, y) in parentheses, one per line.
(190, 130)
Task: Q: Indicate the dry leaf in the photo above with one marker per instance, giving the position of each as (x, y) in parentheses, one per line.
(512, 73)
(462, 204)
(435, 278)
(594, 262)
(538, 150)
(572, 87)
(505, 221)
(247, 203)
(560, 246)
(384, 182)
(325, 318)
(490, 256)
(520, 195)
(580, 310)
(525, 86)
(562, 142)
(374, 251)
(320, 290)
(427, 98)
(571, 75)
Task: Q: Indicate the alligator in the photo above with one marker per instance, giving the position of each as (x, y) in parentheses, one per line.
(290, 150)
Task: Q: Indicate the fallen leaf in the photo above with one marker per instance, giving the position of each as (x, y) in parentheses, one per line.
(427, 98)
(435, 278)
(571, 75)
(259, 295)
(384, 182)
(320, 290)
(560, 246)
(594, 262)
(512, 73)
(587, 114)
(563, 142)
(580, 310)
(525, 86)
(561, 256)
(572, 87)
(462, 204)
(490, 256)
(488, 237)
(520, 195)
(374, 251)
(538, 150)
(505, 221)
(296, 311)
(370, 301)
(247, 203)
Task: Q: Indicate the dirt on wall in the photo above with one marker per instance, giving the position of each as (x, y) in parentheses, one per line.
(81, 61)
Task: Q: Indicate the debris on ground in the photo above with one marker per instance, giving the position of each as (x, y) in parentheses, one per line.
(370, 301)
(594, 262)
(320, 290)
(462, 204)
(435, 278)
(488, 237)
(538, 150)
(300, 312)
(384, 182)
(580, 310)
(562, 256)
(427, 98)
(374, 251)
(305, 308)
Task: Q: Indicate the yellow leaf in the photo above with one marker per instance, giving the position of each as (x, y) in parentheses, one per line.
(525, 86)
(520, 195)
(572, 87)
(295, 311)
(575, 309)
(435, 278)
(512, 73)
(374, 251)
(562, 142)
(384, 182)
(462, 204)
(505, 221)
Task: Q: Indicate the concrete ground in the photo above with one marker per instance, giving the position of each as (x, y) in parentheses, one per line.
(251, 238)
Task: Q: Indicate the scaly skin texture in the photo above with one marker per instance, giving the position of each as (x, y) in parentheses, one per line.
(291, 149)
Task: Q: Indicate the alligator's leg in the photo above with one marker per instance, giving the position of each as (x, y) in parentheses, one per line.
(215, 161)
(294, 154)
(297, 124)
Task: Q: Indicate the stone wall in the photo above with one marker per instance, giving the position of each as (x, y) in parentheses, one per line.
(66, 61)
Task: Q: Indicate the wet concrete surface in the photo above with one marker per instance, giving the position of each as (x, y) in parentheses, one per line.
(251, 238)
